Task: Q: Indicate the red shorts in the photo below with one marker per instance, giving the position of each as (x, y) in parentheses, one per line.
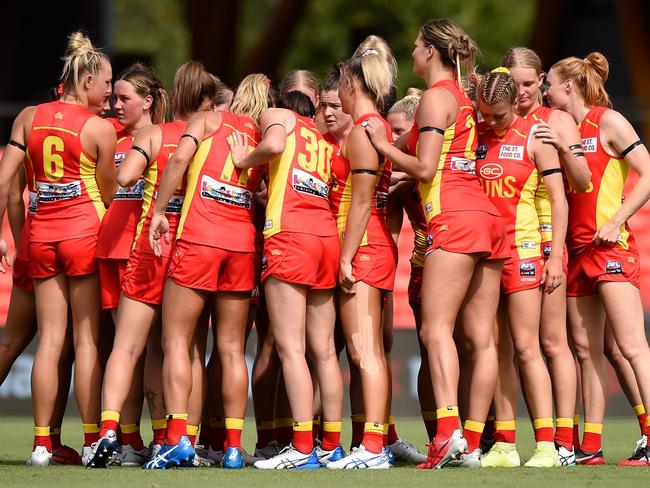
(74, 257)
(303, 259)
(468, 232)
(521, 274)
(20, 278)
(546, 252)
(211, 268)
(145, 276)
(415, 286)
(111, 274)
(376, 266)
(595, 264)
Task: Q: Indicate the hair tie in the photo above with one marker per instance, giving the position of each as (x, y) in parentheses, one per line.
(59, 89)
(370, 51)
(501, 69)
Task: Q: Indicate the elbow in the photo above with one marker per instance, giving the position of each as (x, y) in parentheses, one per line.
(276, 147)
(126, 180)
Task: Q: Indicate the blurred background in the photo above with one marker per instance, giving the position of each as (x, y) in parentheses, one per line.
(235, 37)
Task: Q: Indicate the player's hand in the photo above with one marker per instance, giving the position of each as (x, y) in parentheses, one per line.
(552, 275)
(4, 256)
(238, 147)
(346, 278)
(607, 235)
(376, 132)
(158, 229)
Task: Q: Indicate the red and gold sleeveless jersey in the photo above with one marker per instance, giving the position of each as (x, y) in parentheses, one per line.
(298, 189)
(68, 199)
(455, 185)
(117, 231)
(377, 232)
(592, 209)
(541, 115)
(336, 146)
(413, 208)
(171, 134)
(510, 180)
(220, 199)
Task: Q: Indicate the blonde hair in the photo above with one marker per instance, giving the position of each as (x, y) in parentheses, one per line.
(522, 57)
(456, 48)
(193, 86)
(408, 104)
(297, 77)
(146, 83)
(253, 96)
(374, 65)
(497, 86)
(81, 58)
(589, 75)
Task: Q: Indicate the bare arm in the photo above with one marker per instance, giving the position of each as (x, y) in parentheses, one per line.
(16, 206)
(275, 123)
(104, 138)
(361, 155)
(617, 134)
(135, 163)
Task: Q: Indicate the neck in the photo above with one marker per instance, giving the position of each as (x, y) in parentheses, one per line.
(363, 105)
(578, 109)
(532, 108)
(74, 99)
(143, 122)
(438, 72)
(342, 133)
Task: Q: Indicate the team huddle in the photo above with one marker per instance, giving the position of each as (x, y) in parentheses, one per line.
(282, 208)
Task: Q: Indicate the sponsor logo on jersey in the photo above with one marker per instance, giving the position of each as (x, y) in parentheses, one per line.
(268, 224)
(135, 192)
(527, 268)
(464, 165)
(309, 184)
(428, 208)
(118, 158)
(546, 227)
(52, 192)
(491, 171)
(511, 152)
(481, 151)
(175, 204)
(225, 193)
(590, 144)
(613, 267)
(381, 199)
(528, 244)
(33, 201)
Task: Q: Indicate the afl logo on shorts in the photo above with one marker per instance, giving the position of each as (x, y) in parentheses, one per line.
(491, 171)
(265, 263)
(481, 151)
(527, 269)
(614, 267)
(546, 251)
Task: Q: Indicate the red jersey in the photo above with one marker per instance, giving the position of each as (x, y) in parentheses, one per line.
(117, 231)
(455, 185)
(220, 200)
(510, 180)
(592, 209)
(377, 232)
(299, 184)
(171, 134)
(336, 146)
(413, 208)
(69, 202)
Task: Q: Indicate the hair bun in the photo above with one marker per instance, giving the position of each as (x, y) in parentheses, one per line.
(599, 64)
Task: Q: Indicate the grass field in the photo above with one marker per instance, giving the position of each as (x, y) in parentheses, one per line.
(620, 435)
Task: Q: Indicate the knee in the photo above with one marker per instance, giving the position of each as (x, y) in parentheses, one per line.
(614, 354)
(631, 351)
(434, 339)
(550, 346)
(527, 354)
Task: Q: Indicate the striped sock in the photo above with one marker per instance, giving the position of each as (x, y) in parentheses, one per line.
(234, 429)
(373, 437)
(331, 435)
(55, 437)
(392, 431)
(302, 440)
(91, 433)
(647, 426)
(384, 435)
(430, 423)
(176, 428)
(505, 431)
(592, 440)
(358, 421)
(576, 431)
(641, 415)
(159, 428)
(448, 421)
(265, 433)
(564, 432)
(543, 429)
(42, 438)
(131, 436)
(472, 432)
(192, 432)
(315, 431)
(110, 421)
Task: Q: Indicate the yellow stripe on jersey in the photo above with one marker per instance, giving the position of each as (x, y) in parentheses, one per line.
(121, 139)
(430, 192)
(150, 177)
(593, 124)
(609, 200)
(60, 129)
(87, 173)
(543, 206)
(419, 247)
(193, 173)
(279, 174)
(527, 222)
(344, 207)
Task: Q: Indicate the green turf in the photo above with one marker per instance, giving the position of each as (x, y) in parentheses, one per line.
(620, 435)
